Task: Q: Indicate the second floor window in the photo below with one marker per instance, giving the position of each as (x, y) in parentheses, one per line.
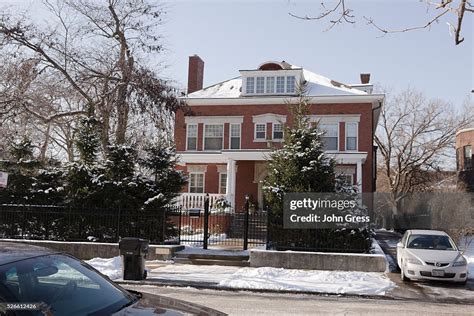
(213, 137)
(196, 182)
(234, 136)
(260, 131)
(330, 138)
(192, 132)
(351, 136)
(468, 157)
(277, 131)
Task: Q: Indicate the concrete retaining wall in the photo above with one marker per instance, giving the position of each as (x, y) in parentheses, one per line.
(318, 260)
(89, 250)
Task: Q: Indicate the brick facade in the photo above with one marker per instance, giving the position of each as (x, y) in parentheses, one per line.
(248, 171)
(465, 165)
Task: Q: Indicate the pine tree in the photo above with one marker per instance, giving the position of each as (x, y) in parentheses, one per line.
(301, 165)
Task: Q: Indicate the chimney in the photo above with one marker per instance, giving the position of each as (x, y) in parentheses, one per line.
(195, 73)
(364, 78)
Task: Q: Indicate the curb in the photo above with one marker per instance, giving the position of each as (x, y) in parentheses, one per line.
(215, 286)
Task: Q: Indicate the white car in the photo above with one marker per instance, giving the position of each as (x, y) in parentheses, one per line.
(430, 255)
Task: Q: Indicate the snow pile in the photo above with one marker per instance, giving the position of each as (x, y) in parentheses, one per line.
(337, 282)
(193, 273)
(111, 267)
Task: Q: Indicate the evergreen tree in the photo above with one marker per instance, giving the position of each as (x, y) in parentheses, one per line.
(22, 169)
(301, 165)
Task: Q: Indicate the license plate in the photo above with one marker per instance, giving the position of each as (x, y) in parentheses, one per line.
(437, 273)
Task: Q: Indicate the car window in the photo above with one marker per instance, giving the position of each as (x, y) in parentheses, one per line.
(433, 242)
(65, 285)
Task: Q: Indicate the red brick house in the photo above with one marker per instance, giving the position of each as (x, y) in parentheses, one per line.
(465, 159)
(224, 142)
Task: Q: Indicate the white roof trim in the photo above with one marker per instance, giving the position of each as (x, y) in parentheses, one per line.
(335, 118)
(465, 130)
(213, 119)
(257, 155)
(284, 100)
(269, 118)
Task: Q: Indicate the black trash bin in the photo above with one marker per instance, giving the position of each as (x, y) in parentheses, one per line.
(133, 252)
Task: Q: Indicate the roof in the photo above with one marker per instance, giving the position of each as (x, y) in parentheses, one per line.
(427, 232)
(15, 251)
(317, 86)
(465, 130)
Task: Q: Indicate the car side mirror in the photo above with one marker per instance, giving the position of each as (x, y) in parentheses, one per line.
(399, 245)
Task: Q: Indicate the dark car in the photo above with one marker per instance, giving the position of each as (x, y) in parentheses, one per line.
(39, 281)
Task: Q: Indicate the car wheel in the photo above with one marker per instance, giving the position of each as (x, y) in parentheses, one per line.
(403, 277)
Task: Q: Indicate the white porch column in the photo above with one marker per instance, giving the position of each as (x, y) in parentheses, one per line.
(230, 184)
(359, 176)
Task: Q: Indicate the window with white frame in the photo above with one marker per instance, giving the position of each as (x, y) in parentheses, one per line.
(213, 136)
(260, 85)
(280, 84)
(330, 138)
(191, 138)
(290, 84)
(347, 179)
(196, 182)
(270, 85)
(351, 136)
(250, 85)
(222, 183)
(467, 157)
(260, 131)
(234, 136)
(277, 131)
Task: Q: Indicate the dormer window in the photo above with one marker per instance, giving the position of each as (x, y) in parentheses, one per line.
(290, 84)
(250, 87)
(280, 84)
(270, 80)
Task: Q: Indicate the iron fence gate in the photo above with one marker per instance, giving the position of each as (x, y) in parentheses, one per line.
(219, 229)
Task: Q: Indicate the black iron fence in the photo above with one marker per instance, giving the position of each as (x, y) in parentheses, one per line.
(84, 224)
(224, 230)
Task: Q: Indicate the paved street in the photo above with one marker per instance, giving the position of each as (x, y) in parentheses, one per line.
(249, 303)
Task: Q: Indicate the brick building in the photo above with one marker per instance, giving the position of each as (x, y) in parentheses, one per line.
(233, 125)
(465, 159)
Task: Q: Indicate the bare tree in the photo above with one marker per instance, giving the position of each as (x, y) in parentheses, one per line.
(339, 12)
(415, 138)
(99, 52)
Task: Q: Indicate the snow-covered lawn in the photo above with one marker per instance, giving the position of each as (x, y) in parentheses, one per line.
(338, 282)
(111, 267)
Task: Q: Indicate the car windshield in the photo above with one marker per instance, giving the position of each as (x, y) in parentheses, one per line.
(64, 285)
(434, 242)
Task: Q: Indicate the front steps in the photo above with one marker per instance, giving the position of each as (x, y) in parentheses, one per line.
(212, 259)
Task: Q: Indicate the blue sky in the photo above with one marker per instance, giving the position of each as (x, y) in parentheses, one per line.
(232, 35)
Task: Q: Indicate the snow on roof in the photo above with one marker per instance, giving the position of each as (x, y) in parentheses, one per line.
(317, 86)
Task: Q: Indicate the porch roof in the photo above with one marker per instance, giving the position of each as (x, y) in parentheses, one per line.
(257, 155)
